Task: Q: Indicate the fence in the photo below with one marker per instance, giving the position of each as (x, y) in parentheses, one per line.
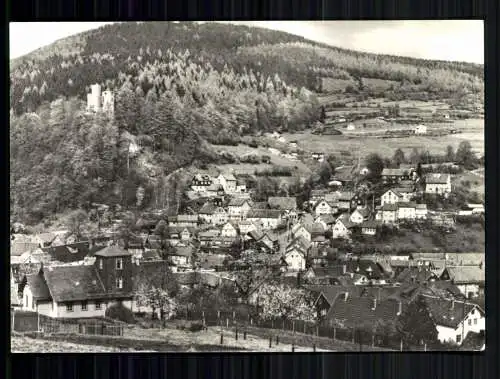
(361, 337)
(23, 321)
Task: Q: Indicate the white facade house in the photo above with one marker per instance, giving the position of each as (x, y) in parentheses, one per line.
(420, 129)
(439, 184)
(228, 182)
(453, 326)
(295, 259)
(406, 211)
(238, 209)
(229, 230)
(421, 211)
(300, 230)
(341, 228)
(323, 207)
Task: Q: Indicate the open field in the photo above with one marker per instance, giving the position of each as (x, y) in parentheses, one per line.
(334, 144)
(22, 344)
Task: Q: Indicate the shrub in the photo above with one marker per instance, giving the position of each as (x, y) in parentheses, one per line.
(192, 326)
(120, 312)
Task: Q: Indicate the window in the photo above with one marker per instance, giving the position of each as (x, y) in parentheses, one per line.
(97, 304)
(84, 305)
(100, 264)
(69, 307)
(470, 322)
(26, 301)
(323, 312)
(119, 283)
(119, 263)
(475, 321)
(459, 338)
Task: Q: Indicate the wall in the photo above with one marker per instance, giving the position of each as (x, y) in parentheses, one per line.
(27, 300)
(78, 312)
(447, 334)
(466, 288)
(322, 209)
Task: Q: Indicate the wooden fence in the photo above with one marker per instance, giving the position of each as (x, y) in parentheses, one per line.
(242, 321)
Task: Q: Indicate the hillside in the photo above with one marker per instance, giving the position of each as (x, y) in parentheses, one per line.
(180, 88)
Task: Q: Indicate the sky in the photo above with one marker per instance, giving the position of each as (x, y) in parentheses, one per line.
(451, 40)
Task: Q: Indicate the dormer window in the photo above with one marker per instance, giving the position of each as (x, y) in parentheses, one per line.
(119, 263)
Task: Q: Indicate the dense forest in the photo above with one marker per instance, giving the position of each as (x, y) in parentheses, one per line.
(177, 86)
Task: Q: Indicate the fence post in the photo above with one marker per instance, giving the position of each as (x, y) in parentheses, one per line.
(293, 346)
(317, 330)
(401, 346)
(245, 334)
(304, 328)
(221, 338)
(251, 321)
(236, 334)
(293, 326)
(353, 336)
(425, 347)
(227, 322)
(314, 347)
(277, 339)
(334, 333)
(270, 341)
(218, 315)
(373, 340)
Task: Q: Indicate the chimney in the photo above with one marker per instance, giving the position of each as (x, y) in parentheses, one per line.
(374, 306)
(400, 308)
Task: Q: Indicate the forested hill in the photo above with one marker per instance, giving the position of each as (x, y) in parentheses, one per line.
(177, 86)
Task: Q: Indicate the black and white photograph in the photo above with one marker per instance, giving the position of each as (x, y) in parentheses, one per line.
(247, 186)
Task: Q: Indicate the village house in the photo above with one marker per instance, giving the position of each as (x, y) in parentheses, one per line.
(245, 227)
(83, 290)
(369, 227)
(420, 129)
(396, 195)
(319, 157)
(219, 216)
(387, 214)
(238, 208)
(295, 258)
(316, 195)
(183, 220)
(342, 227)
(326, 221)
(394, 175)
(182, 257)
(406, 211)
(421, 211)
(416, 275)
(468, 279)
(350, 311)
(180, 234)
(347, 201)
(454, 319)
(324, 275)
(359, 215)
(230, 230)
(439, 184)
(206, 237)
(228, 182)
(265, 218)
(283, 203)
(201, 183)
(323, 207)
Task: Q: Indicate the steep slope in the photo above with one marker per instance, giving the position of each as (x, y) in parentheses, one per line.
(176, 87)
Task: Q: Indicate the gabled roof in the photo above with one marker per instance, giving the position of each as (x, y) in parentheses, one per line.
(47, 237)
(320, 201)
(437, 178)
(465, 274)
(38, 287)
(466, 258)
(372, 224)
(417, 274)
(68, 253)
(447, 312)
(238, 202)
(331, 272)
(345, 219)
(389, 208)
(394, 191)
(401, 190)
(395, 172)
(405, 204)
(327, 219)
(365, 212)
(264, 213)
(68, 283)
(255, 234)
(282, 203)
(184, 251)
(112, 251)
(346, 196)
(207, 209)
(358, 311)
(366, 267)
(18, 248)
